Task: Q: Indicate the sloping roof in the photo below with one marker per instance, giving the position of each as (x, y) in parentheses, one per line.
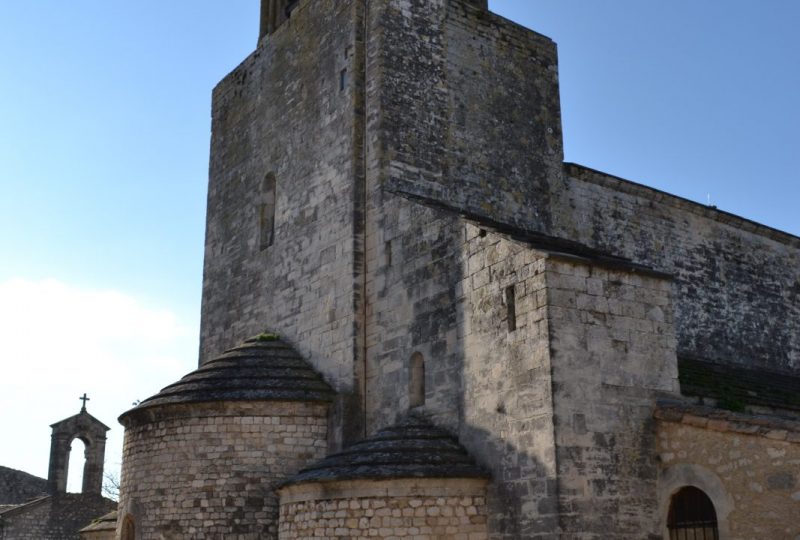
(66, 514)
(735, 387)
(18, 487)
(539, 241)
(260, 369)
(83, 417)
(13, 509)
(107, 522)
(414, 448)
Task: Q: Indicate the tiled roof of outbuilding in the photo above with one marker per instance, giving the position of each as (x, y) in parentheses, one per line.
(414, 448)
(18, 487)
(736, 387)
(260, 369)
(104, 523)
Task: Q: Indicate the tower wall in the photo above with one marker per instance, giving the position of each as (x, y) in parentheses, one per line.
(469, 110)
(460, 96)
(282, 112)
(289, 110)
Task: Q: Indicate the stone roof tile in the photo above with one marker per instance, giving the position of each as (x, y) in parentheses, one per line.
(260, 369)
(413, 448)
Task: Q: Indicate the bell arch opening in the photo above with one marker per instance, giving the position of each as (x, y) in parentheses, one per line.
(76, 468)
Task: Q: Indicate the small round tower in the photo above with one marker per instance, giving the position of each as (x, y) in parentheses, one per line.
(202, 457)
(412, 480)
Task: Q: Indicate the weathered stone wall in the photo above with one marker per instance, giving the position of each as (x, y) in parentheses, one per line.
(507, 403)
(753, 478)
(469, 109)
(418, 509)
(547, 406)
(58, 517)
(737, 283)
(436, 288)
(289, 109)
(209, 470)
(431, 135)
(612, 349)
(413, 264)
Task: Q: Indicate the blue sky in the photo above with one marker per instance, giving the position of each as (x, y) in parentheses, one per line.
(104, 134)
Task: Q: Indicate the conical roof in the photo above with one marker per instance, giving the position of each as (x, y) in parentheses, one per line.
(414, 448)
(263, 368)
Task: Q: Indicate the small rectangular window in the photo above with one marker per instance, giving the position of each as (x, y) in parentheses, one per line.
(342, 80)
(511, 308)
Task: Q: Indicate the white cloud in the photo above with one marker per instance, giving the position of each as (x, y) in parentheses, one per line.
(58, 341)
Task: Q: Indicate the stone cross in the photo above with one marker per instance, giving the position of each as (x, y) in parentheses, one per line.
(84, 399)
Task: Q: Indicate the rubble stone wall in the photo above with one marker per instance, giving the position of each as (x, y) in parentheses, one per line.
(57, 517)
(419, 509)
(753, 478)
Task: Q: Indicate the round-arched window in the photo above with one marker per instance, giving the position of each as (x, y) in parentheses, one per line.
(692, 516)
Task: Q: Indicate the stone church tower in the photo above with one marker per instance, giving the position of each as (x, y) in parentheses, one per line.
(418, 321)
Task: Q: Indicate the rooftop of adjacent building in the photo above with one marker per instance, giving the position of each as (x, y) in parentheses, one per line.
(18, 487)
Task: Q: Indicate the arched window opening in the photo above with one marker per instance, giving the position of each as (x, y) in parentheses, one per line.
(77, 464)
(128, 528)
(692, 516)
(266, 214)
(416, 381)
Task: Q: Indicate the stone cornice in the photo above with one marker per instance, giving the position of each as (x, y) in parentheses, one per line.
(713, 419)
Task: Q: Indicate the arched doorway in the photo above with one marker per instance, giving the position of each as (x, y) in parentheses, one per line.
(128, 528)
(692, 516)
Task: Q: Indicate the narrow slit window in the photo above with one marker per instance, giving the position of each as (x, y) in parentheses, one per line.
(511, 307)
(692, 516)
(266, 214)
(342, 80)
(416, 381)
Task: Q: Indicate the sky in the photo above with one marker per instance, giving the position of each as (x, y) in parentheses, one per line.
(104, 136)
